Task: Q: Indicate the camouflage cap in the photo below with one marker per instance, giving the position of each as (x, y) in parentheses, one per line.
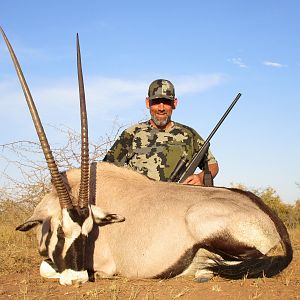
(161, 88)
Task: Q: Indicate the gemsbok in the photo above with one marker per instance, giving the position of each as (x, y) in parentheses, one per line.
(161, 229)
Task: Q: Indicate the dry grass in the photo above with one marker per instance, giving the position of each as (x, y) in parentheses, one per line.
(17, 250)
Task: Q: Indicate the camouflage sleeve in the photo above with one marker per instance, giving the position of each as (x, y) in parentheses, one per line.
(118, 153)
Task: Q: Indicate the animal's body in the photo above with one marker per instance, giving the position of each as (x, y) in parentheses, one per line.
(167, 223)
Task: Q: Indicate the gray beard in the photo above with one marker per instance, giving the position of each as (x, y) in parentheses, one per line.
(159, 123)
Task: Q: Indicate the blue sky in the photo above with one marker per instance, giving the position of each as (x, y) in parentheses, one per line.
(210, 50)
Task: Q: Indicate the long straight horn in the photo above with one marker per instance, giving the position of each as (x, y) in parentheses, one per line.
(84, 182)
(64, 197)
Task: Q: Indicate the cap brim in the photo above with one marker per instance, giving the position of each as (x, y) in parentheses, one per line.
(162, 97)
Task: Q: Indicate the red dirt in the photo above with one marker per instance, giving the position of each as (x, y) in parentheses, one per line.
(29, 285)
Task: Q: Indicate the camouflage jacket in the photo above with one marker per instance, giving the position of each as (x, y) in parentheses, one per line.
(153, 152)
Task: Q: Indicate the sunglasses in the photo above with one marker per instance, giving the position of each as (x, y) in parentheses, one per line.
(161, 100)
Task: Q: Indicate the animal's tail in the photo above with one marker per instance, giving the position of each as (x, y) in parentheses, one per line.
(266, 266)
(253, 267)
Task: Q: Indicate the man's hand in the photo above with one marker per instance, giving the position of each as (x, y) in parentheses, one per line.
(195, 179)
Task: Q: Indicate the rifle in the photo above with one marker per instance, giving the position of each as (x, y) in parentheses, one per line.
(184, 169)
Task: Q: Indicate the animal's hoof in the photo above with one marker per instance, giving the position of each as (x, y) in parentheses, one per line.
(201, 279)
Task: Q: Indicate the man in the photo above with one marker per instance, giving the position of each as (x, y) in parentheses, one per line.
(154, 148)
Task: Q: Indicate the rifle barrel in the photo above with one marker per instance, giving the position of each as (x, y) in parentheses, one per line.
(224, 116)
(190, 169)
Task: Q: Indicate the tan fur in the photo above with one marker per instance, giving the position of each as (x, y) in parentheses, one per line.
(163, 220)
(164, 223)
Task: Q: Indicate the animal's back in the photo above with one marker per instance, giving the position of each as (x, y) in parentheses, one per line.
(165, 221)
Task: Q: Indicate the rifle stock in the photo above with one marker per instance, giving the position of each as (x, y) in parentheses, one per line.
(192, 166)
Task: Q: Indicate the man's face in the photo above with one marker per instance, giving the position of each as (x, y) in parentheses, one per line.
(161, 111)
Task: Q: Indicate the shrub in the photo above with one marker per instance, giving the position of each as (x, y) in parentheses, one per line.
(289, 214)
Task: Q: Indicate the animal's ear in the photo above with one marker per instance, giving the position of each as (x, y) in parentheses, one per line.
(102, 218)
(29, 225)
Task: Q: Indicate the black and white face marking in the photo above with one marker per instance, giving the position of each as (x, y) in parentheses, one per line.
(65, 242)
(62, 235)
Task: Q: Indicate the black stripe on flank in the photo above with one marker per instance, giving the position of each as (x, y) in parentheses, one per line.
(253, 266)
(229, 248)
(182, 264)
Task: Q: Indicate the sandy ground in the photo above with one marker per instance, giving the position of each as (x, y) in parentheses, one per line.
(29, 285)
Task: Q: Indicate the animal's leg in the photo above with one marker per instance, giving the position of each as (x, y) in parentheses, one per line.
(47, 269)
(67, 277)
(198, 267)
(203, 259)
(233, 234)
